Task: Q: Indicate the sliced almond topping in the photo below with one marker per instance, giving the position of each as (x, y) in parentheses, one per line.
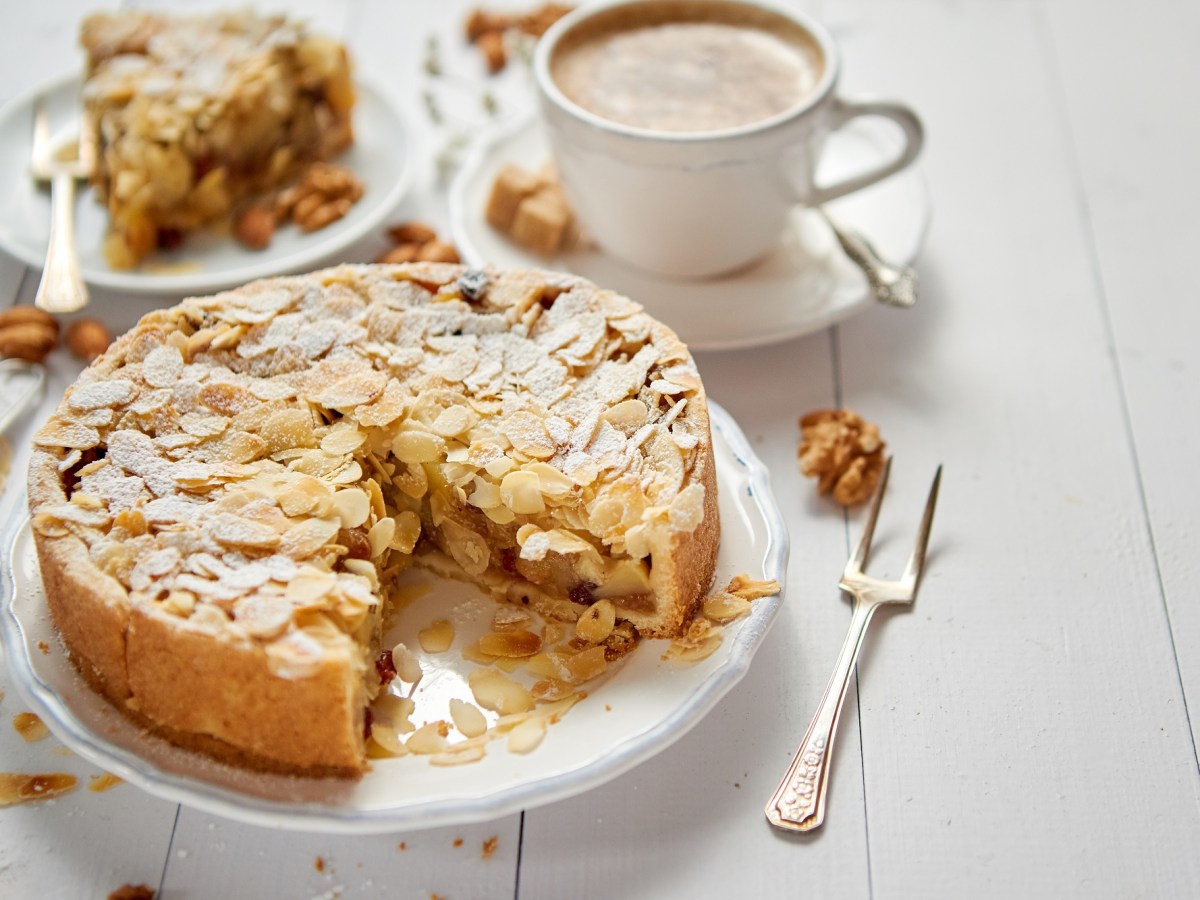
(511, 644)
(459, 754)
(527, 736)
(745, 586)
(725, 607)
(501, 695)
(429, 738)
(521, 492)
(597, 622)
(387, 738)
(395, 711)
(342, 440)
(416, 447)
(381, 535)
(351, 506)
(453, 421)
(507, 617)
(438, 637)
(527, 434)
(408, 667)
(467, 718)
(408, 530)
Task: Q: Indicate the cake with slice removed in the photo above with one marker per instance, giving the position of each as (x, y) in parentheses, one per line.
(221, 501)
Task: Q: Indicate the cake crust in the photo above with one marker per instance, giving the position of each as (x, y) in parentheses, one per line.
(220, 672)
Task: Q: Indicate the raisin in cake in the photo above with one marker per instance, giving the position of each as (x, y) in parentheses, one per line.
(222, 500)
(193, 114)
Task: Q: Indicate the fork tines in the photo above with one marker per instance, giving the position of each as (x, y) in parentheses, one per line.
(916, 561)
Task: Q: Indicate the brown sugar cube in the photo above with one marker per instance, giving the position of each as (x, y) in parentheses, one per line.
(541, 221)
(512, 185)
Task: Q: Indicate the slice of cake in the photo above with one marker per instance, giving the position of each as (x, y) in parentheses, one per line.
(193, 115)
(222, 500)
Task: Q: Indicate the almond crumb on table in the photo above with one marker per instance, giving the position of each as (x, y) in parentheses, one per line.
(490, 845)
(487, 30)
(106, 781)
(842, 450)
(30, 727)
(132, 892)
(18, 787)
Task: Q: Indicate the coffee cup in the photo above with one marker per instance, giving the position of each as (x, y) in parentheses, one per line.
(685, 132)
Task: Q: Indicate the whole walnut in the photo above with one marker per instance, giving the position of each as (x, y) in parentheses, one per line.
(27, 333)
(844, 451)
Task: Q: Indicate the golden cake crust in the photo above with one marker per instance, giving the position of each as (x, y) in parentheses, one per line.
(217, 672)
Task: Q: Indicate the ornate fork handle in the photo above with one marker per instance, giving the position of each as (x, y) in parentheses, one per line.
(799, 802)
(62, 289)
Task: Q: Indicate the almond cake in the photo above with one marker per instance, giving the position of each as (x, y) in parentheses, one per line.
(194, 114)
(222, 500)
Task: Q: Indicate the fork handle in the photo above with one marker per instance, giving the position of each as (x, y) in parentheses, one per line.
(61, 289)
(799, 802)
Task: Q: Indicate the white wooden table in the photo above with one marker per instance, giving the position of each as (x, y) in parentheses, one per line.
(1025, 730)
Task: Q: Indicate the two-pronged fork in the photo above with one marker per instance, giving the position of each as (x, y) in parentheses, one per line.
(799, 802)
(61, 289)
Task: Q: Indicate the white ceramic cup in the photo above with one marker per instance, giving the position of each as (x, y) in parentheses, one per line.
(699, 204)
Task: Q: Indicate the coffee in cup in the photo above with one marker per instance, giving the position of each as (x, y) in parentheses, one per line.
(687, 68)
(685, 132)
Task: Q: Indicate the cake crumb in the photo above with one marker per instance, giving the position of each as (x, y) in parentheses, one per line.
(458, 842)
(105, 781)
(44, 647)
(403, 845)
(319, 864)
(30, 727)
(132, 892)
(490, 845)
(17, 787)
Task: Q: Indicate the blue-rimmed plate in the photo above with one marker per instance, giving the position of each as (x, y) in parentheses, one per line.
(643, 706)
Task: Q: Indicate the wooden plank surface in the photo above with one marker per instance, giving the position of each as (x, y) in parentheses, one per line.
(1024, 730)
(1136, 141)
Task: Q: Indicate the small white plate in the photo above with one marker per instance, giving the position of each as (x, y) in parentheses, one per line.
(206, 262)
(636, 711)
(806, 283)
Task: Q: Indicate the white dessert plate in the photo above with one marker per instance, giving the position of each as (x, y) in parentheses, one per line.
(642, 705)
(806, 283)
(207, 262)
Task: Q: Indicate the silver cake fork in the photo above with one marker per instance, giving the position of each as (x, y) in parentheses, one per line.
(799, 802)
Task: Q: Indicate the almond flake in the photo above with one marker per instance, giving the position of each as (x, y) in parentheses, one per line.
(526, 736)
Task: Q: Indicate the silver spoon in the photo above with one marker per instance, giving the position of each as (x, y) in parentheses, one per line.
(892, 285)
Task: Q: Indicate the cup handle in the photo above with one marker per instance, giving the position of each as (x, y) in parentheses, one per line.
(845, 111)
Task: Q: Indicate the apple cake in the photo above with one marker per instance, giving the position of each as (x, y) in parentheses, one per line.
(222, 500)
(194, 114)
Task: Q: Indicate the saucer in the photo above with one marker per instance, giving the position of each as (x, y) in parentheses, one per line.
(805, 283)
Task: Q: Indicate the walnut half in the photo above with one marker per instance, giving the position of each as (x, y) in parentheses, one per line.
(844, 451)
